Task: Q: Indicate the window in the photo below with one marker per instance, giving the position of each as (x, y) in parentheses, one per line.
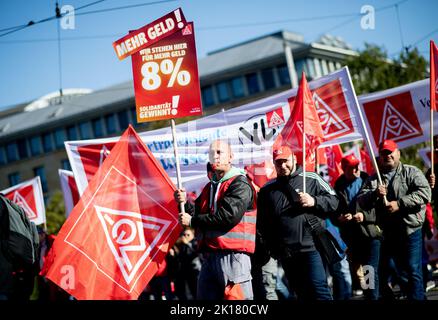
(22, 149)
(283, 75)
(222, 91)
(237, 87)
(12, 152)
(85, 130)
(97, 127)
(72, 134)
(253, 83)
(317, 67)
(2, 156)
(47, 142)
(123, 119)
(324, 67)
(207, 96)
(65, 164)
(35, 145)
(268, 78)
(59, 138)
(300, 66)
(110, 121)
(41, 172)
(133, 112)
(14, 178)
(311, 67)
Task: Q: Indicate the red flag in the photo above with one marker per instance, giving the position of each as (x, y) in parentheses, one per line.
(121, 228)
(433, 76)
(367, 164)
(29, 196)
(260, 173)
(334, 156)
(303, 118)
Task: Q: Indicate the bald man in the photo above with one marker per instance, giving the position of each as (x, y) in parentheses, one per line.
(224, 216)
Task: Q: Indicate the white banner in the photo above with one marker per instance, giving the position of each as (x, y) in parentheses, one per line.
(401, 114)
(69, 190)
(29, 196)
(250, 129)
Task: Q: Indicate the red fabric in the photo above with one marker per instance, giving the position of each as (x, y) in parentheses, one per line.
(429, 217)
(120, 230)
(260, 173)
(334, 157)
(433, 76)
(303, 118)
(367, 164)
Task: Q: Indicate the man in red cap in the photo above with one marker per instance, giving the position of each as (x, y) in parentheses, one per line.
(283, 211)
(400, 205)
(358, 229)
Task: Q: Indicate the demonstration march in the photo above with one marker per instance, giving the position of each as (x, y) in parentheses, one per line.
(264, 171)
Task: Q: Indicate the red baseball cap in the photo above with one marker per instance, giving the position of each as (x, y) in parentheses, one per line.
(283, 152)
(389, 145)
(350, 161)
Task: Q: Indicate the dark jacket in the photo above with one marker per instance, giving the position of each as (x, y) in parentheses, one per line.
(238, 198)
(410, 189)
(351, 231)
(281, 220)
(6, 267)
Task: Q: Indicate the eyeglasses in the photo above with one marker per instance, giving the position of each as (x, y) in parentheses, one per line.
(187, 234)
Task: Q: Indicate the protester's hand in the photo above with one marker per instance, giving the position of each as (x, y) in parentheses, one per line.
(358, 217)
(381, 191)
(432, 180)
(345, 217)
(171, 252)
(306, 200)
(184, 219)
(180, 195)
(392, 206)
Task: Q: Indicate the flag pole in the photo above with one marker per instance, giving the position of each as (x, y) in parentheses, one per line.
(304, 158)
(432, 148)
(367, 138)
(178, 170)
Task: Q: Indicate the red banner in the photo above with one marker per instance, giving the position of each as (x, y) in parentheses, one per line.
(120, 230)
(149, 34)
(166, 79)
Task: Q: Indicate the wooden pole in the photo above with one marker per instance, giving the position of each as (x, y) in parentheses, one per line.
(178, 170)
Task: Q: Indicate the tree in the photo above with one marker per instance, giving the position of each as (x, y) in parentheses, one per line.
(55, 213)
(372, 70)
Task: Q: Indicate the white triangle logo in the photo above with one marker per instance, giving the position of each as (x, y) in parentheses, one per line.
(18, 199)
(104, 152)
(329, 119)
(123, 244)
(394, 126)
(276, 120)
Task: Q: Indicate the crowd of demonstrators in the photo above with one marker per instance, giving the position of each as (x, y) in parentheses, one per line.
(241, 244)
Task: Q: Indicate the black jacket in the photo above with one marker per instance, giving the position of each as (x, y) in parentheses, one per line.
(280, 219)
(353, 232)
(236, 201)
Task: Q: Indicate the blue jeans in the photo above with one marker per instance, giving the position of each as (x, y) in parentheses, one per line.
(406, 250)
(371, 260)
(306, 275)
(342, 282)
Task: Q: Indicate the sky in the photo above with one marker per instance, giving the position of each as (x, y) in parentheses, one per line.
(30, 67)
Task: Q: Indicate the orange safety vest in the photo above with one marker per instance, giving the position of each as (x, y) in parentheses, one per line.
(241, 237)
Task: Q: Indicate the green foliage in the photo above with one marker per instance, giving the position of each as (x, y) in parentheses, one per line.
(372, 71)
(55, 213)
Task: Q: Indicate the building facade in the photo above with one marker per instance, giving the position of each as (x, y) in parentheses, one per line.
(32, 136)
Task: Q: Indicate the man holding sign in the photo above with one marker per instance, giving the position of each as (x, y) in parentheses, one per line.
(225, 217)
